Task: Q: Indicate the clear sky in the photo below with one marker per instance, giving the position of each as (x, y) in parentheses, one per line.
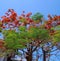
(44, 6)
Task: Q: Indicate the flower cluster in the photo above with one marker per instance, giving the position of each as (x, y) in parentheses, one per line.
(11, 20)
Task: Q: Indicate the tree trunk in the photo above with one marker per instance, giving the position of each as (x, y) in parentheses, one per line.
(29, 56)
(44, 55)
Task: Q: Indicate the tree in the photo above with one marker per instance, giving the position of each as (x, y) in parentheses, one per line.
(53, 26)
(19, 36)
(24, 37)
(34, 36)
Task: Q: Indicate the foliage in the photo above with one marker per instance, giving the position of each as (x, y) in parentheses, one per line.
(37, 17)
(33, 34)
(12, 40)
(56, 37)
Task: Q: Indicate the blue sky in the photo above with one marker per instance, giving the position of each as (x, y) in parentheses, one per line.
(44, 6)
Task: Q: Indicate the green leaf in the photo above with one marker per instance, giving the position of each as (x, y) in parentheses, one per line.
(56, 37)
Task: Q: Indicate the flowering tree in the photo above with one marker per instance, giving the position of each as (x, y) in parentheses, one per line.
(53, 25)
(22, 32)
